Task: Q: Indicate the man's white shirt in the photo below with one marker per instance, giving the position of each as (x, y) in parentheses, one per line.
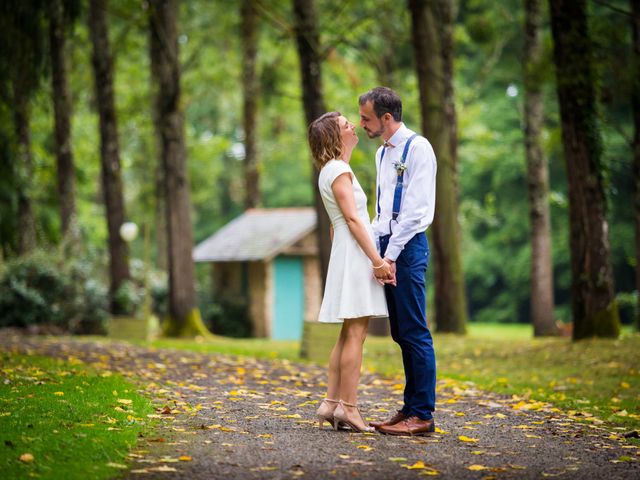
(418, 194)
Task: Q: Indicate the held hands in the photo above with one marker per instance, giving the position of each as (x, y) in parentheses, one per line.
(385, 272)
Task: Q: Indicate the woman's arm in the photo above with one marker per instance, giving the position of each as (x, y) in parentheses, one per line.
(343, 191)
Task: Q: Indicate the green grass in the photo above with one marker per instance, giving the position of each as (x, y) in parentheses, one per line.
(75, 422)
(596, 377)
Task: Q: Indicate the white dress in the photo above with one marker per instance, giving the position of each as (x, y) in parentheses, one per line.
(351, 291)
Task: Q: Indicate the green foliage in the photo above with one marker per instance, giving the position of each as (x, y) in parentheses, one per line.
(129, 297)
(228, 317)
(364, 44)
(628, 307)
(42, 289)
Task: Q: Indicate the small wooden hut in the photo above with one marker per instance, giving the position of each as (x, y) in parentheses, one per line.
(267, 258)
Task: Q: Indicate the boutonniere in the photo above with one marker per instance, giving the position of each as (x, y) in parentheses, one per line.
(399, 166)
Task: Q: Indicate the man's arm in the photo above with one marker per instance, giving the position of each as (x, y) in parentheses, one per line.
(418, 197)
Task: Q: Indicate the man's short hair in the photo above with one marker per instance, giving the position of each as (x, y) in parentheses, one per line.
(384, 100)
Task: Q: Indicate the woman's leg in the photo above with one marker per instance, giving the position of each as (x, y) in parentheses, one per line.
(353, 334)
(333, 381)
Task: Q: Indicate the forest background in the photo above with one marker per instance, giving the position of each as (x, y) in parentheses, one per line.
(367, 43)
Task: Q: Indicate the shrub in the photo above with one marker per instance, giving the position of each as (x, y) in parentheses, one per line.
(129, 297)
(43, 289)
(229, 317)
(628, 307)
(31, 291)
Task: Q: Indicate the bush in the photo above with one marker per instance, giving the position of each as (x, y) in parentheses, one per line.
(31, 291)
(41, 289)
(228, 317)
(129, 297)
(628, 307)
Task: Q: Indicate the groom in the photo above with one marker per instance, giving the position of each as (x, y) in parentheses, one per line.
(406, 192)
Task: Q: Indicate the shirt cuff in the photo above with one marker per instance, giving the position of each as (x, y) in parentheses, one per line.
(393, 252)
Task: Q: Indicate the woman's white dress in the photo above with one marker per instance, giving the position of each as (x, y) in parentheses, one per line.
(351, 291)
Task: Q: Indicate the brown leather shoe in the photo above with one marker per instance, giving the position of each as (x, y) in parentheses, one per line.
(410, 426)
(398, 417)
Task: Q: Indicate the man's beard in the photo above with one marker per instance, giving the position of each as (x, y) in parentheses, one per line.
(375, 134)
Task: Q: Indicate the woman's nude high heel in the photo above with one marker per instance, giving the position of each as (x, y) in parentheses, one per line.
(325, 412)
(340, 416)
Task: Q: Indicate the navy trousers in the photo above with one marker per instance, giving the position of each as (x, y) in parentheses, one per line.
(408, 322)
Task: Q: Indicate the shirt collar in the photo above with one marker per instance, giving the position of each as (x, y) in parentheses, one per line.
(400, 136)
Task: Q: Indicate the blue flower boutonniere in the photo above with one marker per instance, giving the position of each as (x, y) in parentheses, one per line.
(399, 166)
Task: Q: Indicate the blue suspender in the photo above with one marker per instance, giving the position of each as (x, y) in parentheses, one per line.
(397, 194)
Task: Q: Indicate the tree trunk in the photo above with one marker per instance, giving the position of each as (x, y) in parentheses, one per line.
(26, 222)
(109, 148)
(595, 312)
(432, 30)
(635, 75)
(537, 177)
(162, 249)
(250, 89)
(184, 316)
(308, 43)
(62, 113)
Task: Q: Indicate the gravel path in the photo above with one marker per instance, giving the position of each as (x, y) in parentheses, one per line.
(241, 418)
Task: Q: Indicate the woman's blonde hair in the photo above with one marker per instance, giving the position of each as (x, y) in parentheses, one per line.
(325, 140)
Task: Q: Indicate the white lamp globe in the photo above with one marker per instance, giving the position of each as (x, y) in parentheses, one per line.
(512, 91)
(128, 231)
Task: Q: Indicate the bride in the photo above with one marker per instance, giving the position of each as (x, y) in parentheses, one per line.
(353, 291)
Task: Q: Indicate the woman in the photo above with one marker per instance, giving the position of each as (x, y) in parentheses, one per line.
(353, 292)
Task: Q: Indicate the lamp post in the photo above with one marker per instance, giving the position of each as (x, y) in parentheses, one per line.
(129, 232)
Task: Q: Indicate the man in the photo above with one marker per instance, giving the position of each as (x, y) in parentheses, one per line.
(406, 185)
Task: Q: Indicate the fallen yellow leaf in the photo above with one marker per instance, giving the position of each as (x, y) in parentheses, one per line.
(185, 458)
(476, 467)
(464, 438)
(58, 393)
(26, 458)
(125, 401)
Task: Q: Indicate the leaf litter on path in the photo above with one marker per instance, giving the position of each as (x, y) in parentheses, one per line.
(238, 417)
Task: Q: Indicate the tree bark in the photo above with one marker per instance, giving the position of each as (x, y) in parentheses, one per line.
(542, 301)
(432, 35)
(308, 44)
(159, 180)
(62, 115)
(184, 316)
(635, 75)
(595, 312)
(109, 148)
(26, 221)
(250, 89)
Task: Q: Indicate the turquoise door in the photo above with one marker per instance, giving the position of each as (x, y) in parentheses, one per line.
(288, 303)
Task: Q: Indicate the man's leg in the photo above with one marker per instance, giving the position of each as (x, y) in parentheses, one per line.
(390, 294)
(413, 334)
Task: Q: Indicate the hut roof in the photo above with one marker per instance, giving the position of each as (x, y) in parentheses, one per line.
(257, 234)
